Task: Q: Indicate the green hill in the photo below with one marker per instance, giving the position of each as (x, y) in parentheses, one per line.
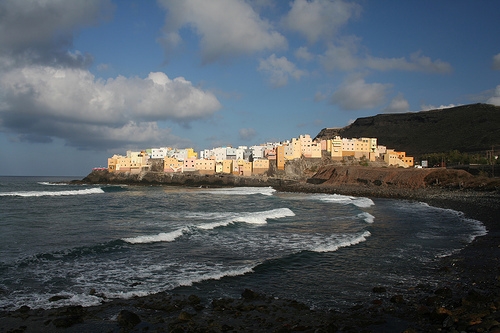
(471, 128)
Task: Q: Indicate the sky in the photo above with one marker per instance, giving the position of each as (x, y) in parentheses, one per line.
(81, 81)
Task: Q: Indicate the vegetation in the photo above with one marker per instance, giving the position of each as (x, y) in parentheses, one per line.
(456, 157)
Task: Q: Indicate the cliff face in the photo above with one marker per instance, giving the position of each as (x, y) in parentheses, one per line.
(468, 128)
(398, 178)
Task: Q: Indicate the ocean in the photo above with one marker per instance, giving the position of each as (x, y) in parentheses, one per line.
(64, 244)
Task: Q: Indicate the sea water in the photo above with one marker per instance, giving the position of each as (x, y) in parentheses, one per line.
(91, 243)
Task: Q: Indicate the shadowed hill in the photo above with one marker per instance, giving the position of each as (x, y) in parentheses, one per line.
(467, 128)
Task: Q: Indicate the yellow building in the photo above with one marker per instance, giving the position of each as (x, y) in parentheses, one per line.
(242, 168)
(171, 164)
(315, 150)
(205, 167)
(260, 166)
(408, 160)
(112, 161)
(191, 153)
(398, 158)
(227, 166)
(336, 148)
(280, 157)
(305, 145)
(293, 149)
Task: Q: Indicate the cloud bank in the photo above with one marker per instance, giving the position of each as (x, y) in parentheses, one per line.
(496, 62)
(356, 94)
(227, 28)
(279, 70)
(36, 97)
(319, 19)
(46, 90)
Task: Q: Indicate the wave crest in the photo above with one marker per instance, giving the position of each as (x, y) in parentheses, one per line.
(96, 190)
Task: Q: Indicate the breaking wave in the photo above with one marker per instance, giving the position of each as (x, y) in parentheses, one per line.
(96, 190)
(229, 218)
(360, 202)
(243, 191)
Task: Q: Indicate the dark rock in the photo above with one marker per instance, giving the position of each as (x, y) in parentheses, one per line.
(24, 309)
(398, 299)
(187, 313)
(194, 300)
(58, 298)
(128, 319)
(444, 292)
(68, 321)
(249, 294)
(379, 290)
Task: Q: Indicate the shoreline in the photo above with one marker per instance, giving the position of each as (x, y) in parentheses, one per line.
(469, 301)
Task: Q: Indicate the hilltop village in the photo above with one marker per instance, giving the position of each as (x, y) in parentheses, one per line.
(255, 160)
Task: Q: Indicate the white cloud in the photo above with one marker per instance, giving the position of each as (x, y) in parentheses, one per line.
(398, 104)
(73, 104)
(319, 96)
(427, 107)
(304, 54)
(247, 133)
(356, 94)
(344, 56)
(417, 62)
(341, 56)
(496, 62)
(495, 99)
(279, 70)
(318, 19)
(41, 31)
(227, 28)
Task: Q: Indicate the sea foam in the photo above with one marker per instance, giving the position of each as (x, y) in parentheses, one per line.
(244, 217)
(360, 202)
(367, 217)
(96, 190)
(242, 191)
(337, 243)
(161, 237)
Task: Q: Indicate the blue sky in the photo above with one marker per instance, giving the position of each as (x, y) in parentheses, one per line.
(81, 81)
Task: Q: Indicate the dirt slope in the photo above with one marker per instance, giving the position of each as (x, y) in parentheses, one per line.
(400, 178)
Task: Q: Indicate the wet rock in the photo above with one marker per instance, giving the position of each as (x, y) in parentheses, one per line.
(222, 304)
(194, 300)
(187, 313)
(24, 309)
(249, 294)
(379, 290)
(398, 299)
(128, 319)
(58, 298)
(444, 292)
(68, 321)
(441, 313)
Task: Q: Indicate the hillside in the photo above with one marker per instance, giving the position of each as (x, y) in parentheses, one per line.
(467, 128)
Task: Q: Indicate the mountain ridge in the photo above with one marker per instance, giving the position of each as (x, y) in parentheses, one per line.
(468, 128)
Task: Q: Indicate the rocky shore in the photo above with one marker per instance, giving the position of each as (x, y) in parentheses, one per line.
(467, 301)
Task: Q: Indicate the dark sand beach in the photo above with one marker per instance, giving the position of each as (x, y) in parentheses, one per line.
(469, 300)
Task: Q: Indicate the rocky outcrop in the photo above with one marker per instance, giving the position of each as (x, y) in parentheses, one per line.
(369, 180)
(392, 177)
(181, 179)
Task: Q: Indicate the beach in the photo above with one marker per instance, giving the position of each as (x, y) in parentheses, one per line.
(469, 300)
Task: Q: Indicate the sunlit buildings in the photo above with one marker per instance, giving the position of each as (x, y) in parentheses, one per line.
(258, 159)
